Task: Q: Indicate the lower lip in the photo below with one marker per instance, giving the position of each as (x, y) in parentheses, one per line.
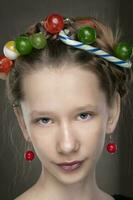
(69, 168)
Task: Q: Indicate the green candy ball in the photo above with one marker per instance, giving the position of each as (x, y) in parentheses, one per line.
(123, 51)
(86, 35)
(23, 45)
(38, 40)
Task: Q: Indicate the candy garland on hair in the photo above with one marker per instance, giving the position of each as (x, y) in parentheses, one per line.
(23, 45)
(5, 66)
(123, 50)
(55, 25)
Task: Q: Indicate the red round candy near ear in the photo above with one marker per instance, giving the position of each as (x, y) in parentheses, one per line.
(54, 23)
(5, 64)
(29, 155)
(111, 147)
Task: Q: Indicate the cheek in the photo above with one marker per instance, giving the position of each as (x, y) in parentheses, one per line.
(94, 137)
(43, 142)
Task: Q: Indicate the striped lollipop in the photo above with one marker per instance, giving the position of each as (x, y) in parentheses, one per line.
(93, 50)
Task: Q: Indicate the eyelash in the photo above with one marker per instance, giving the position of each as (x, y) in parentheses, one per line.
(46, 118)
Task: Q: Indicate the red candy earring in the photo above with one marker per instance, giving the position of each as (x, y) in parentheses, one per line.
(111, 147)
(29, 155)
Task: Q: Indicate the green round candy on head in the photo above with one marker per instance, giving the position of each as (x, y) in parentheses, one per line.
(86, 35)
(123, 50)
(23, 45)
(38, 40)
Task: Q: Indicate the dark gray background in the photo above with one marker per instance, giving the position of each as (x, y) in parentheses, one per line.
(114, 172)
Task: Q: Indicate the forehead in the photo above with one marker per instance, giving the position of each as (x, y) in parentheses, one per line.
(69, 86)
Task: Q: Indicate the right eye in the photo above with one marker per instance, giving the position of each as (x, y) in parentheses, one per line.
(43, 120)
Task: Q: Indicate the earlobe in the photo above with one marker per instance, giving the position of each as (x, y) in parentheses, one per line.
(19, 116)
(114, 113)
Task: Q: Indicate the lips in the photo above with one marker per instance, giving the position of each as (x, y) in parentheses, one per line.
(70, 166)
(70, 163)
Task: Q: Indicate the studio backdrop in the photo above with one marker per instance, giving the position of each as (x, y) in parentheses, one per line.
(114, 172)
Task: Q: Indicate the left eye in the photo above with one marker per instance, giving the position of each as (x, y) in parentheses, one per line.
(85, 115)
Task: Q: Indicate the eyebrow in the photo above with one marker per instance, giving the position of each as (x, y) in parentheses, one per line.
(89, 106)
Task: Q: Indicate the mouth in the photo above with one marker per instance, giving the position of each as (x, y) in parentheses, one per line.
(70, 166)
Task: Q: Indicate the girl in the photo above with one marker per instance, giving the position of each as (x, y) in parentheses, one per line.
(66, 95)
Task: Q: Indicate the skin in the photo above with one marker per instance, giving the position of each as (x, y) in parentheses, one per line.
(67, 134)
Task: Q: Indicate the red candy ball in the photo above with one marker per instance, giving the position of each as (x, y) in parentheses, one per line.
(29, 155)
(5, 64)
(54, 23)
(111, 147)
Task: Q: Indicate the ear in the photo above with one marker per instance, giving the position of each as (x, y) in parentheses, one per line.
(19, 114)
(114, 112)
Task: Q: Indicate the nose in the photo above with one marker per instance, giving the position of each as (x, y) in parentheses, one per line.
(68, 141)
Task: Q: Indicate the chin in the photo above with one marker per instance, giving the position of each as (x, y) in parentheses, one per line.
(76, 176)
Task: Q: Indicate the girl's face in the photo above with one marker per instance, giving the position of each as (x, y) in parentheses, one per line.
(65, 115)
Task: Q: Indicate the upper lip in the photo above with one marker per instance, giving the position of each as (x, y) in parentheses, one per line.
(70, 163)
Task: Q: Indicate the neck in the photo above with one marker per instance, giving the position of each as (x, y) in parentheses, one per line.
(85, 189)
